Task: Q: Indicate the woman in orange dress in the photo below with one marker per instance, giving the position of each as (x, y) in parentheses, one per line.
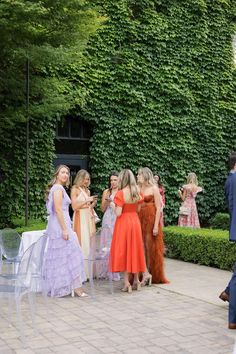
(127, 253)
(149, 215)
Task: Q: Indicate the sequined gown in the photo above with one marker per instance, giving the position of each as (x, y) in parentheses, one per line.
(153, 245)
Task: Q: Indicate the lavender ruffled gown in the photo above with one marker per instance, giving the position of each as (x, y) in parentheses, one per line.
(64, 264)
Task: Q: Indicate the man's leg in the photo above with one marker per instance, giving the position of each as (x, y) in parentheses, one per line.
(232, 300)
(225, 294)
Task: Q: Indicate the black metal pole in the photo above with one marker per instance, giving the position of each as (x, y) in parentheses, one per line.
(27, 146)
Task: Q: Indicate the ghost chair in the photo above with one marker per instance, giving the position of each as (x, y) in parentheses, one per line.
(26, 281)
(98, 263)
(9, 244)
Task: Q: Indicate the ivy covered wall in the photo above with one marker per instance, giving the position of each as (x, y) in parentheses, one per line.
(162, 93)
(158, 86)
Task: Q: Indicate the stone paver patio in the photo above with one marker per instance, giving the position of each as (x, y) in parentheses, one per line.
(158, 319)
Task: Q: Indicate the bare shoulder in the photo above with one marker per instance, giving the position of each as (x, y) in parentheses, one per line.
(57, 192)
(155, 189)
(106, 192)
(75, 190)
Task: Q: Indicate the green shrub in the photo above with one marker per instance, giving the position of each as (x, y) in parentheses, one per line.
(220, 221)
(19, 225)
(204, 246)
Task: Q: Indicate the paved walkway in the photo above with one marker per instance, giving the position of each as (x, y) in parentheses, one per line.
(184, 317)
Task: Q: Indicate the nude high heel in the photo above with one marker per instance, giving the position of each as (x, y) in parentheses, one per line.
(147, 279)
(136, 286)
(78, 293)
(127, 289)
(81, 294)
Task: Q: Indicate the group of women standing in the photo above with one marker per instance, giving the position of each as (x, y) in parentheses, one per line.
(131, 231)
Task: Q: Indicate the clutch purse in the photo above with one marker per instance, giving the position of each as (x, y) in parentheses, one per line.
(96, 217)
(184, 210)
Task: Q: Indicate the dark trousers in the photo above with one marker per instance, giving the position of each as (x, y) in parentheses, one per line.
(231, 291)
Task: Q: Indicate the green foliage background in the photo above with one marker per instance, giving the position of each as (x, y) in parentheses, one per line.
(157, 82)
(53, 35)
(161, 79)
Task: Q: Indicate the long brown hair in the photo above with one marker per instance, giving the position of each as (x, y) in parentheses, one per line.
(127, 179)
(54, 179)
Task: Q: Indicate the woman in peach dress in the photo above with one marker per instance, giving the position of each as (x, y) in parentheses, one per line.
(83, 218)
(149, 215)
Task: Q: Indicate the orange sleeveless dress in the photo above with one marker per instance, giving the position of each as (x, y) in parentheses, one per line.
(127, 253)
(153, 245)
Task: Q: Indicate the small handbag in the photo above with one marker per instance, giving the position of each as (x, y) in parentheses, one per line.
(184, 210)
(95, 216)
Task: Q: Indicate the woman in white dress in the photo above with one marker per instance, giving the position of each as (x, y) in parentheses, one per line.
(83, 218)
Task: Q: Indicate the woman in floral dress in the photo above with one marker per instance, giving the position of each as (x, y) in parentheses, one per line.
(108, 222)
(187, 195)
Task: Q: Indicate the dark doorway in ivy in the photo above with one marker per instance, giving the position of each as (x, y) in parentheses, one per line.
(72, 144)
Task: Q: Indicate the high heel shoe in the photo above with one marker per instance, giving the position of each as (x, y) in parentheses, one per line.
(136, 286)
(127, 289)
(147, 279)
(80, 293)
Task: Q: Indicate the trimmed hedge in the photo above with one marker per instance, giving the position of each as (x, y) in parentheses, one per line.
(220, 221)
(203, 246)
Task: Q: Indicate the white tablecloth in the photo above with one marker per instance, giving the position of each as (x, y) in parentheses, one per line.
(28, 238)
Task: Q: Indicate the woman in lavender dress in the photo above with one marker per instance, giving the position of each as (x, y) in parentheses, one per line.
(64, 265)
(108, 222)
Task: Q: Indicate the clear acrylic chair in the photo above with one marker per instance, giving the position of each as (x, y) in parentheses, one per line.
(15, 286)
(98, 262)
(9, 243)
(27, 280)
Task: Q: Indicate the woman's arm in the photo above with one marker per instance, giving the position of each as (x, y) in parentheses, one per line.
(182, 194)
(157, 201)
(105, 202)
(92, 200)
(118, 210)
(57, 200)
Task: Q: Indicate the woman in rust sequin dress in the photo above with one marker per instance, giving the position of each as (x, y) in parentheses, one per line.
(149, 215)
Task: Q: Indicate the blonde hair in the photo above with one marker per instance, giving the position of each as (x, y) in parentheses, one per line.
(127, 179)
(54, 179)
(192, 178)
(147, 175)
(79, 178)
